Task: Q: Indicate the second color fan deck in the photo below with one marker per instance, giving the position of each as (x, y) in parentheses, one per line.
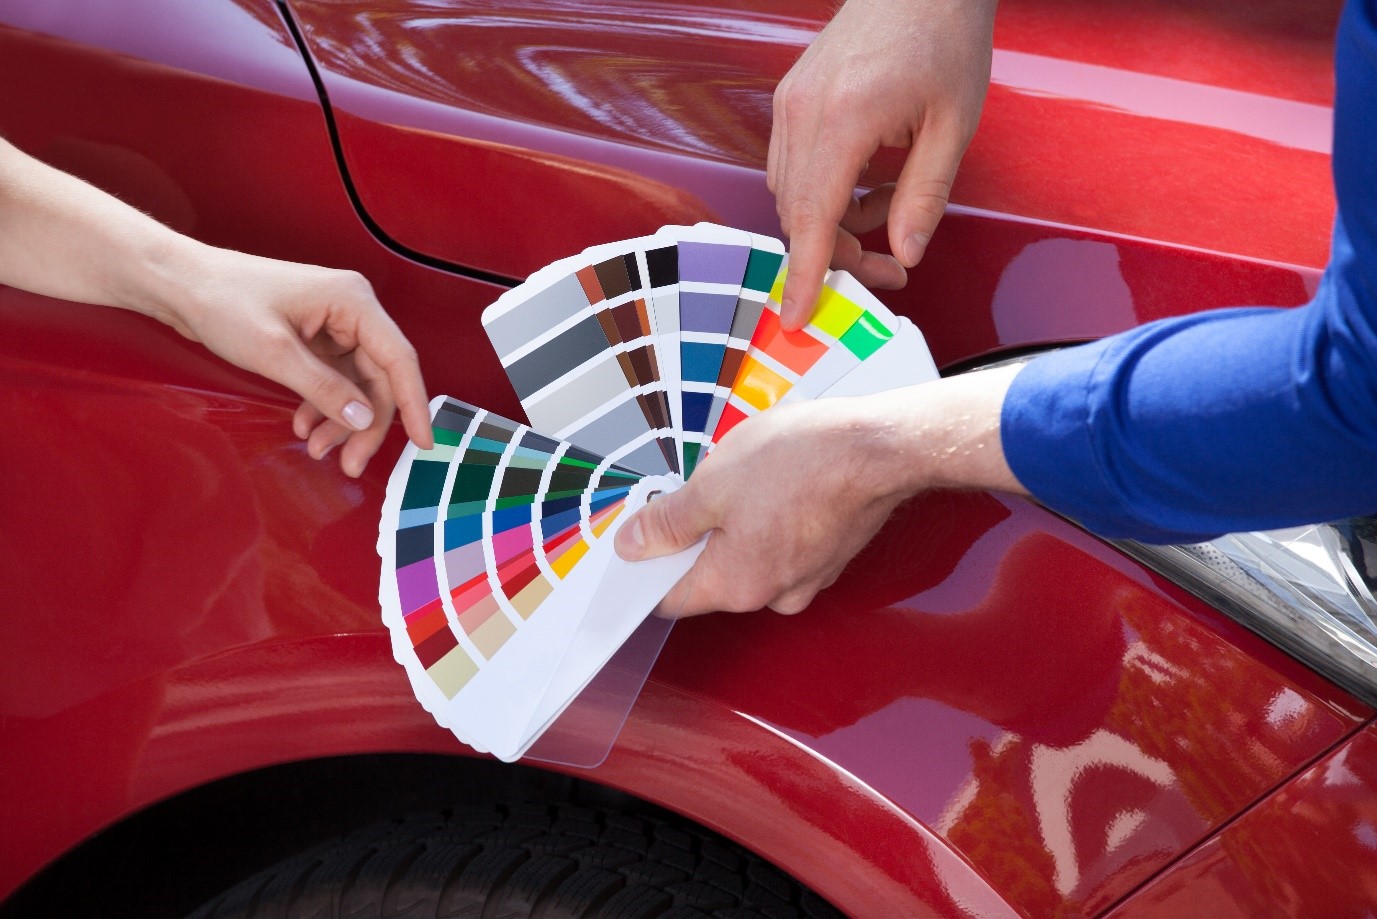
(500, 587)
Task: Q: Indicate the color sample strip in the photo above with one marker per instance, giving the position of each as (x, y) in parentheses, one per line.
(660, 267)
(710, 276)
(506, 533)
(762, 267)
(609, 286)
(854, 325)
(774, 362)
(519, 576)
(564, 367)
(472, 481)
(438, 651)
(546, 510)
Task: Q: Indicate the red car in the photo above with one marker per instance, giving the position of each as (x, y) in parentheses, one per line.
(993, 713)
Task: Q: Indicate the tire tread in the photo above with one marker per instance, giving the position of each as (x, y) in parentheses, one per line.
(523, 861)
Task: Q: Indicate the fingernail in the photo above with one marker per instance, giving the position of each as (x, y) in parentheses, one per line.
(631, 540)
(913, 248)
(357, 415)
(786, 314)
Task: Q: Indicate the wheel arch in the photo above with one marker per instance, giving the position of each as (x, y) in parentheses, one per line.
(275, 765)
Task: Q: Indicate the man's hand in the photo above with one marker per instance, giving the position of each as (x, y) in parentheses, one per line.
(790, 495)
(883, 73)
(318, 331)
(779, 538)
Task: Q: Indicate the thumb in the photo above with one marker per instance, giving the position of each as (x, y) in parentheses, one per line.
(668, 524)
(334, 394)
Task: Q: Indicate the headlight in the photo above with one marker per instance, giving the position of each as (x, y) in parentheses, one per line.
(1308, 590)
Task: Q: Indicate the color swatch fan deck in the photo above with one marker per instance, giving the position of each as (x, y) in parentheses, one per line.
(500, 586)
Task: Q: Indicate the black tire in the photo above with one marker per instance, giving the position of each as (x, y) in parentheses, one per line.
(526, 861)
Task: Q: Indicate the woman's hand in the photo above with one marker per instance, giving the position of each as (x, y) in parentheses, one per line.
(320, 332)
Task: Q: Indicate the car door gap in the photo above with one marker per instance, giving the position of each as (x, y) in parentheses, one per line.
(377, 231)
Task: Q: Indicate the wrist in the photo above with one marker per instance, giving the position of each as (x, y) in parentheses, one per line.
(943, 434)
(168, 279)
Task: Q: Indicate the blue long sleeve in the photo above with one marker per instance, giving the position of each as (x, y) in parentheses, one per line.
(1238, 419)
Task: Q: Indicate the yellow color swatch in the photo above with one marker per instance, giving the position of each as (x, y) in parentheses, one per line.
(758, 385)
(835, 313)
(568, 559)
(777, 292)
(601, 526)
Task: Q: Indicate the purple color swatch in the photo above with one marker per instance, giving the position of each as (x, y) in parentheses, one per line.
(712, 263)
(417, 585)
(706, 312)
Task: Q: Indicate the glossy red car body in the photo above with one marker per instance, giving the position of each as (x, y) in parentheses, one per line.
(992, 713)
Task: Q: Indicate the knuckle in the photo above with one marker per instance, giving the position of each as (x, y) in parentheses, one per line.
(279, 347)
(791, 604)
(677, 528)
(663, 528)
(790, 98)
(841, 101)
(807, 215)
(928, 197)
(325, 388)
(353, 286)
(325, 393)
(393, 351)
(782, 210)
(743, 597)
(847, 253)
(356, 281)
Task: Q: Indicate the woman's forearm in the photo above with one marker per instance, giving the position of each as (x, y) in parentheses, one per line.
(319, 331)
(64, 238)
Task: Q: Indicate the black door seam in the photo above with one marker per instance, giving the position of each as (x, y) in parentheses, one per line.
(378, 232)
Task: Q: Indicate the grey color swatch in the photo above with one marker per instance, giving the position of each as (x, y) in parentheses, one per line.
(646, 458)
(615, 430)
(746, 318)
(557, 357)
(557, 303)
(598, 384)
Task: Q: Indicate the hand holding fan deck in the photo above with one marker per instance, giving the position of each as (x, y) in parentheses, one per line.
(500, 587)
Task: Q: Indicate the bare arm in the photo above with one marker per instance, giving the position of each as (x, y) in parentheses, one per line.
(319, 331)
(776, 538)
